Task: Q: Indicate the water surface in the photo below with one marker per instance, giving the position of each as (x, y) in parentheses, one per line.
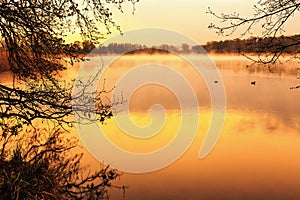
(257, 155)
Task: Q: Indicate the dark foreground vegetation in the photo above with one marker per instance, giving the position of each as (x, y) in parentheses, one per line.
(39, 158)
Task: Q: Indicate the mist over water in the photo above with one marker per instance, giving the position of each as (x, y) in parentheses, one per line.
(257, 155)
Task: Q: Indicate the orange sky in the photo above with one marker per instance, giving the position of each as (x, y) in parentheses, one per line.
(188, 17)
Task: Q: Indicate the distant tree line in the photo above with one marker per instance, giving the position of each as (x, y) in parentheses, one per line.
(129, 48)
(255, 45)
(250, 45)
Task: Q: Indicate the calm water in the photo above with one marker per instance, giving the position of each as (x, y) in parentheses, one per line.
(258, 153)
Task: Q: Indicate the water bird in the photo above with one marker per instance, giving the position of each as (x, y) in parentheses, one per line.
(296, 87)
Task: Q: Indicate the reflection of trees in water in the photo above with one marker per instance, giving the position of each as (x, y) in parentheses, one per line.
(45, 165)
(290, 68)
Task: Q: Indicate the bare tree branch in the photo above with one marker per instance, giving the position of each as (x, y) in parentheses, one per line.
(36, 163)
(271, 16)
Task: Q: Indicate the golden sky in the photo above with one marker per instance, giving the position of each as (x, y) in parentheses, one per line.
(188, 17)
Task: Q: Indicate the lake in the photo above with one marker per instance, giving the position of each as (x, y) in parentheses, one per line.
(258, 153)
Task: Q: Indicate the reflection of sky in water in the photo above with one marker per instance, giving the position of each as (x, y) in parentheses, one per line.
(252, 160)
(257, 156)
(270, 94)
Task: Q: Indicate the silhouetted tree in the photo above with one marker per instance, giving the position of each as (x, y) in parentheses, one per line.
(87, 47)
(32, 34)
(270, 16)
